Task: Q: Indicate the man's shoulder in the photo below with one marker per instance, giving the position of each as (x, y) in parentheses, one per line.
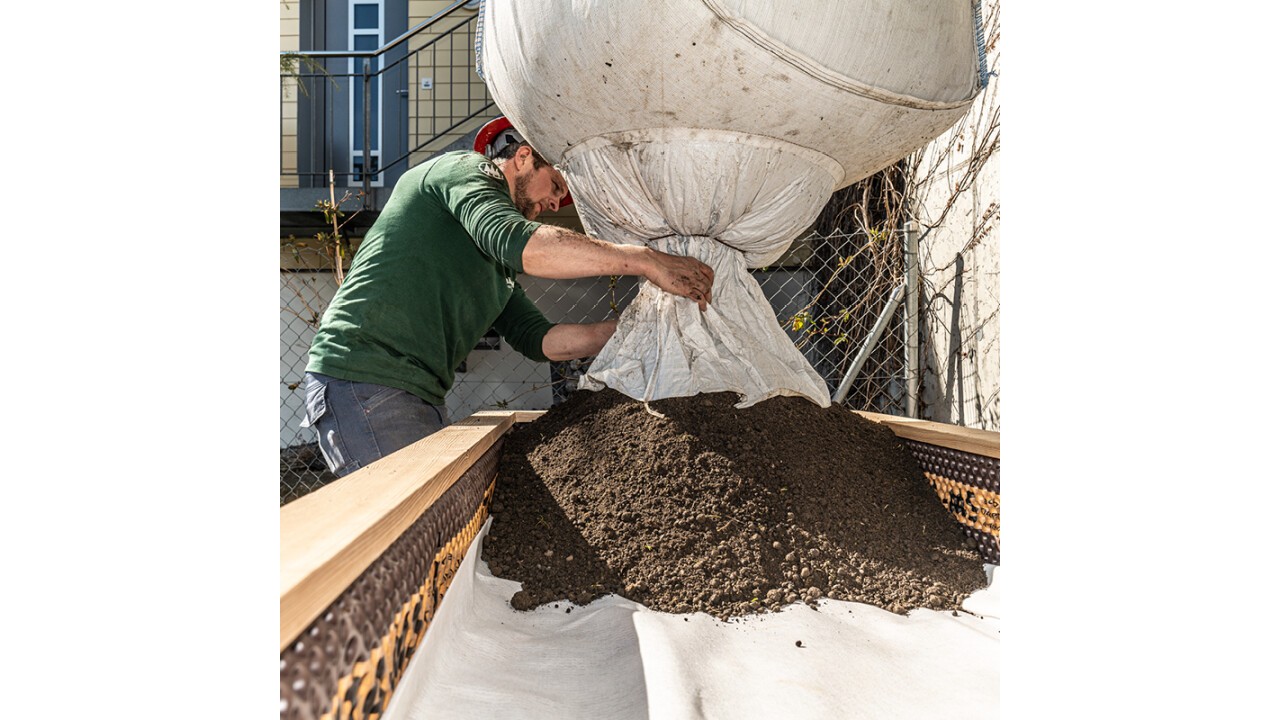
(464, 163)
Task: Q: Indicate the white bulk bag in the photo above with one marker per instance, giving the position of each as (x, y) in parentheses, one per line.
(681, 191)
(701, 125)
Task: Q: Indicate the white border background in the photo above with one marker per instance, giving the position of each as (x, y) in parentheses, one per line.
(141, 517)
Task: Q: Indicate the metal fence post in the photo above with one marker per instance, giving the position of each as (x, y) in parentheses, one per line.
(864, 352)
(365, 175)
(911, 255)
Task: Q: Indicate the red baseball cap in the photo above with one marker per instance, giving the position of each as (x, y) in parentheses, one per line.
(499, 133)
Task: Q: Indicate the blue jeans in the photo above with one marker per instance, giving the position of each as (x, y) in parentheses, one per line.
(357, 423)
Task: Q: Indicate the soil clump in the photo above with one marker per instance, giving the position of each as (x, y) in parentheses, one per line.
(721, 510)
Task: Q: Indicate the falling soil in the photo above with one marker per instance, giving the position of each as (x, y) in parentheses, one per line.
(721, 510)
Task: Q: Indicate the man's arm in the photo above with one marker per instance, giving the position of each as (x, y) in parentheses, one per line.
(558, 253)
(569, 341)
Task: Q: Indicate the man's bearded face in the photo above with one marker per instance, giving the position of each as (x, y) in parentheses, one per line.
(525, 204)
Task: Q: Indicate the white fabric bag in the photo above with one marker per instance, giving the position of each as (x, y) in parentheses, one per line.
(695, 126)
(731, 200)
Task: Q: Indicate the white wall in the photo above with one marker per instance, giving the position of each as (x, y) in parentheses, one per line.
(301, 295)
(958, 207)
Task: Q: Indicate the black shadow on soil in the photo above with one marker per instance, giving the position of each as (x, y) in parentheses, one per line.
(554, 580)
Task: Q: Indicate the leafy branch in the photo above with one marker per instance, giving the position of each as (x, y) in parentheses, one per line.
(332, 211)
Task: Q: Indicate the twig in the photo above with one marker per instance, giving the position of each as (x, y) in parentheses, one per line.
(337, 239)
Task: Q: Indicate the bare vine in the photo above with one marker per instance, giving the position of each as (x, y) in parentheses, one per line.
(855, 239)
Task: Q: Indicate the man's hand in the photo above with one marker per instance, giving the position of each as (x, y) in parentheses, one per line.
(684, 276)
(558, 253)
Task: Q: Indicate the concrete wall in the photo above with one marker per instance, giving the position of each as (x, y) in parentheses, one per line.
(958, 207)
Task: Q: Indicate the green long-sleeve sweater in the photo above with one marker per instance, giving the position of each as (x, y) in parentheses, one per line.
(434, 273)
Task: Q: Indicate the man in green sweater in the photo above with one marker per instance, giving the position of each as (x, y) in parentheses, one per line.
(435, 271)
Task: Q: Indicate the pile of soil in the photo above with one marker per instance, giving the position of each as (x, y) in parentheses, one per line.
(721, 510)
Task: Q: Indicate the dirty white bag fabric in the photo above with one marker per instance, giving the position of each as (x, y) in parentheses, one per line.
(666, 347)
(864, 82)
(616, 659)
(681, 122)
(751, 192)
(733, 201)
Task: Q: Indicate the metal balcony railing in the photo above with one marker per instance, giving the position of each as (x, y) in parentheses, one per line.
(367, 116)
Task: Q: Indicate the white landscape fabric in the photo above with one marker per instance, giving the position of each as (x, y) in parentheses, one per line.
(617, 659)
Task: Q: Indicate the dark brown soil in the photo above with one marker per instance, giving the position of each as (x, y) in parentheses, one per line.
(721, 510)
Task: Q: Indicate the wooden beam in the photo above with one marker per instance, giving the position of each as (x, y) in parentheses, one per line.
(979, 442)
(955, 437)
(329, 537)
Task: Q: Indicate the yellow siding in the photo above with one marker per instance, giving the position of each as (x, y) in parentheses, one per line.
(457, 90)
(447, 99)
(289, 14)
(289, 31)
(421, 10)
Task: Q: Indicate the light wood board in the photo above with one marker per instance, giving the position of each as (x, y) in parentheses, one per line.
(329, 537)
(979, 442)
(956, 437)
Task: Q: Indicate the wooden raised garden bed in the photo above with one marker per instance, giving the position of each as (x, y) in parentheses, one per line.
(366, 560)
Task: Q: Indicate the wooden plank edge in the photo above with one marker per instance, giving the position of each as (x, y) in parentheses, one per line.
(330, 536)
(955, 437)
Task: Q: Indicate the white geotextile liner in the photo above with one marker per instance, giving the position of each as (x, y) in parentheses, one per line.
(617, 659)
(666, 347)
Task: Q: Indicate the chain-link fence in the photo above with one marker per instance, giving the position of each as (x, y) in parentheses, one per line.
(829, 293)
